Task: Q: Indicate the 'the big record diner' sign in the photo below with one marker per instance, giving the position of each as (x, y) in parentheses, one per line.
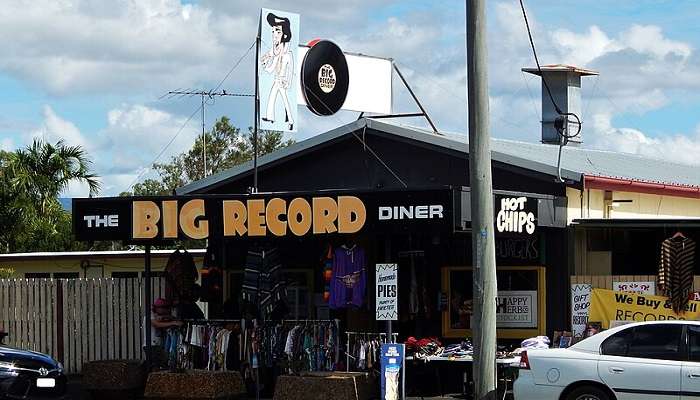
(162, 218)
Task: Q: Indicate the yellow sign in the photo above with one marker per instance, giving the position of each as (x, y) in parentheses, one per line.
(608, 305)
(254, 217)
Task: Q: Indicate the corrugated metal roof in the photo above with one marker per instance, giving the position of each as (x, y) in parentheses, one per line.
(575, 162)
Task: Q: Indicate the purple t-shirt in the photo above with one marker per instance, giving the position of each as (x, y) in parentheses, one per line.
(348, 278)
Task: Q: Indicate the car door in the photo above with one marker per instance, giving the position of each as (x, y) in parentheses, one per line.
(690, 373)
(643, 362)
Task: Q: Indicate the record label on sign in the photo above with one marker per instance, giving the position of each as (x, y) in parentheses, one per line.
(325, 78)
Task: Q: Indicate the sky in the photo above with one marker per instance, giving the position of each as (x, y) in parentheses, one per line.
(93, 72)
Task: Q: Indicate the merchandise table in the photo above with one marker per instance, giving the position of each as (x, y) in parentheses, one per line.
(502, 364)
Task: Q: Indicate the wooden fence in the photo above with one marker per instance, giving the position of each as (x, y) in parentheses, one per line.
(76, 320)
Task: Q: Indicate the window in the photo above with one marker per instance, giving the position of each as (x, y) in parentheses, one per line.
(37, 275)
(617, 344)
(657, 341)
(694, 342)
(66, 275)
(521, 286)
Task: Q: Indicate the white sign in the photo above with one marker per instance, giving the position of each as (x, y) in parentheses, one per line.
(513, 217)
(580, 302)
(635, 287)
(516, 309)
(369, 89)
(387, 294)
(279, 70)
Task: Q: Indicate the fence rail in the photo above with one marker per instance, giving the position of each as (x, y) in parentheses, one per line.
(76, 320)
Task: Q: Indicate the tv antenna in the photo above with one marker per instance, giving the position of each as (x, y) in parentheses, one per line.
(204, 95)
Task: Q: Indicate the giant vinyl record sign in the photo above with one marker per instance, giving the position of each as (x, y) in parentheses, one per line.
(325, 78)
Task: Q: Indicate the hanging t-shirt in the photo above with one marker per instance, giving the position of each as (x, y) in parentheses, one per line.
(349, 277)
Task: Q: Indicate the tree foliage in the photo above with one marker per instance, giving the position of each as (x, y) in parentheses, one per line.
(226, 147)
(31, 179)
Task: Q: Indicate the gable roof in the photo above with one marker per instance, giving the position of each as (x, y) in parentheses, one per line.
(576, 162)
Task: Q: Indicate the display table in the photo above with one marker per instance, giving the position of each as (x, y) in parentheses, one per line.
(326, 385)
(195, 385)
(465, 364)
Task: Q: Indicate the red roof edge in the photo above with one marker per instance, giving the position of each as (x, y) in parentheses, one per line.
(630, 185)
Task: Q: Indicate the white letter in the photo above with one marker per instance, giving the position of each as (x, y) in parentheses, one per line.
(113, 220)
(384, 213)
(530, 227)
(422, 212)
(436, 211)
(89, 219)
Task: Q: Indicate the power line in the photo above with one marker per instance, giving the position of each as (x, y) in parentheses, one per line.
(182, 93)
(561, 124)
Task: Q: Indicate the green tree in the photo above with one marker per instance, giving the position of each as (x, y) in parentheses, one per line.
(31, 180)
(7, 273)
(226, 147)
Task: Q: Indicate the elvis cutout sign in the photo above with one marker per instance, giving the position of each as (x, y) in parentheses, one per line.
(279, 36)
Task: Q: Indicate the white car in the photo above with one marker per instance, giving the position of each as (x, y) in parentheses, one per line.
(639, 361)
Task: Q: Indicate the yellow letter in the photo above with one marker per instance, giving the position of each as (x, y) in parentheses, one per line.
(325, 213)
(188, 220)
(275, 208)
(299, 216)
(145, 219)
(347, 207)
(170, 219)
(256, 218)
(235, 215)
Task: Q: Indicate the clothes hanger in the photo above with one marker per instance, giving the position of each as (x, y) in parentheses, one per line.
(678, 234)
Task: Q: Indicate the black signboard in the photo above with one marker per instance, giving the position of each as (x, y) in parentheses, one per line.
(165, 218)
(516, 214)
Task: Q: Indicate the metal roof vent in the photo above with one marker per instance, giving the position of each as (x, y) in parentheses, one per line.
(565, 84)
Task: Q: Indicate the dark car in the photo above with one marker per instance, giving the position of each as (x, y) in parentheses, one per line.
(28, 375)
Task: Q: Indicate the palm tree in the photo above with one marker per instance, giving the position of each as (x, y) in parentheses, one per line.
(42, 171)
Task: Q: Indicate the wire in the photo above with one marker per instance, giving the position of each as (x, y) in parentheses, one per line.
(561, 125)
(139, 176)
(164, 148)
(367, 147)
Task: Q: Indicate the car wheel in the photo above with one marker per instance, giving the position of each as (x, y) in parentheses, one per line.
(588, 393)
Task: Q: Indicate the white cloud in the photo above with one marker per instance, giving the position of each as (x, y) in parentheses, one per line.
(55, 128)
(7, 144)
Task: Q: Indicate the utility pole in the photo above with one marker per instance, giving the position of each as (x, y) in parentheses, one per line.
(204, 95)
(483, 248)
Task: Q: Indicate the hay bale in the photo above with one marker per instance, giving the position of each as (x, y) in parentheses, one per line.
(326, 385)
(114, 379)
(195, 385)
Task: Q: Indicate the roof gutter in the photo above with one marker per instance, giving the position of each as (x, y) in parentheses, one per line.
(628, 185)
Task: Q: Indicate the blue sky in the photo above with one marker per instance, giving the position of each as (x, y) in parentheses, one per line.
(91, 72)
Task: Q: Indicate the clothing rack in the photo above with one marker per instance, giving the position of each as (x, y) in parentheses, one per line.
(382, 337)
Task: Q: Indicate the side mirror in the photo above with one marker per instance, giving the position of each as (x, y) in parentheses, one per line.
(3, 335)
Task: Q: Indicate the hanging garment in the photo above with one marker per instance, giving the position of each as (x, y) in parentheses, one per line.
(263, 281)
(180, 276)
(349, 277)
(676, 269)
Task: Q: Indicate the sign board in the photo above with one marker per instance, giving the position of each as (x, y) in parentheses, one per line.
(392, 361)
(516, 309)
(648, 287)
(369, 88)
(580, 303)
(516, 214)
(163, 218)
(278, 73)
(608, 306)
(387, 292)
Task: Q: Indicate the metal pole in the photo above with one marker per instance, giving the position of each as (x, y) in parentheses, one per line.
(483, 249)
(257, 110)
(147, 305)
(204, 138)
(425, 114)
